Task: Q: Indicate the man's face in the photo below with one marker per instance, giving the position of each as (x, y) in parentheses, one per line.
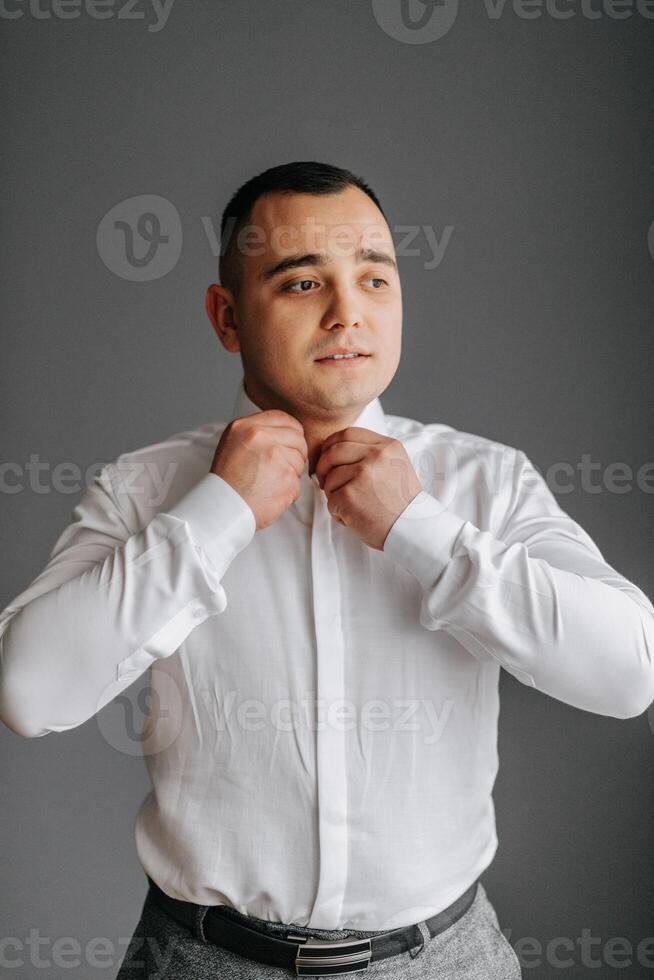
(318, 273)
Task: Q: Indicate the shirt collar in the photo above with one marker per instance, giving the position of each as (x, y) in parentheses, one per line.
(372, 417)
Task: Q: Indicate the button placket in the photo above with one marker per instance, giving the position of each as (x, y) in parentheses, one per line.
(330, 734)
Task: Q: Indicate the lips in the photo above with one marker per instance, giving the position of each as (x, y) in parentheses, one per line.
(344, 355)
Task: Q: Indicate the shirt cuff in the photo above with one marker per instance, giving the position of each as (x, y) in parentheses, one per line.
(423, 537)
(219, 519)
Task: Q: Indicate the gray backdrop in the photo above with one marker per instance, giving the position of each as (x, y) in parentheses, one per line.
(518, 136)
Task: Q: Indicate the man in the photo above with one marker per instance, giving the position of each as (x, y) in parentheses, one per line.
(325, 596)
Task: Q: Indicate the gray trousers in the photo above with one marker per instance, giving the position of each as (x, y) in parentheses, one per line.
(472, 948)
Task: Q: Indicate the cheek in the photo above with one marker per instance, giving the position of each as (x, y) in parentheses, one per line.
(265, 336)
(391, 332)
(276, 325)
(282, 355)
(390, 348)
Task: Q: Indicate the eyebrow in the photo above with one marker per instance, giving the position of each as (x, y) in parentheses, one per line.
(319, 258)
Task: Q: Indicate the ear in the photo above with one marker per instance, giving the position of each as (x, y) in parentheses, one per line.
(221, 310)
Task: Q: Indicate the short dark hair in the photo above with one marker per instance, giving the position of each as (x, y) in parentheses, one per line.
(298, 177)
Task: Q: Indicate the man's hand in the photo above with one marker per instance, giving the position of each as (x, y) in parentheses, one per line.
(262, 456)
(369, 480)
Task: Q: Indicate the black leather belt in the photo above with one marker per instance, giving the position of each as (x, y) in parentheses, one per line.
(306, 955)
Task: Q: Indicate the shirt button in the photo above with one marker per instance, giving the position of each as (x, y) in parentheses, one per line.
(198, 612)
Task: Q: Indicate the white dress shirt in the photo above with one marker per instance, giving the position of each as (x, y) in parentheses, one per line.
(322, 737)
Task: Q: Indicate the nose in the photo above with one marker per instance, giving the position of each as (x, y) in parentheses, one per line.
(343, 310)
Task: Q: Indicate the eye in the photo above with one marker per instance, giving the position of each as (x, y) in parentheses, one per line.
(301, 282)
(304, 285)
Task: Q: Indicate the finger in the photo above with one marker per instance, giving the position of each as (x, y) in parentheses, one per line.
(286, 436)
(276, 417)
(295, 458)
(355, 433)
(337, 454)
(339, 476)
(334, 507)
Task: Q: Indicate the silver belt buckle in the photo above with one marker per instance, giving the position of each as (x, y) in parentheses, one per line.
(322, 957)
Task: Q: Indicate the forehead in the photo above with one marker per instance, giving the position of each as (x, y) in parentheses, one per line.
(336, 224)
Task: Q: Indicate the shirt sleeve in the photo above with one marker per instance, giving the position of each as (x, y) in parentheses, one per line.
(538, 598)
(110, 602)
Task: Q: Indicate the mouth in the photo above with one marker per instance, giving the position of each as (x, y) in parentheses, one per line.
(343, 359)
